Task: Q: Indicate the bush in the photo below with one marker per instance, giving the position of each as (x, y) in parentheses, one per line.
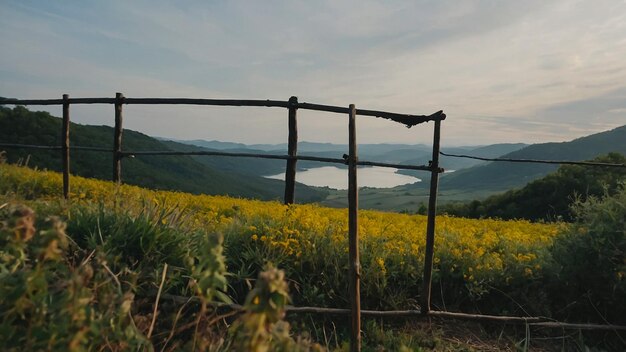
(49, 300)
(591, 271)
(88, 285)
(261, 327)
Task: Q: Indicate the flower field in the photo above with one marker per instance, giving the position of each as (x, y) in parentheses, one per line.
(474, 259)
(114, 245)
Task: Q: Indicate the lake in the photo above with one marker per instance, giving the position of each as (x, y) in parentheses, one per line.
(334, 177)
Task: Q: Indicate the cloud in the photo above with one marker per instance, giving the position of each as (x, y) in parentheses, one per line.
(506, 71)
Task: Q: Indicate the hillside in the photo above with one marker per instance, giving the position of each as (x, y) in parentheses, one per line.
(126, 246)
(264, 167)
(305, 146)
(487, 179)
(252, 166)
(181, 173)
(407, 154)
(550, 197)
(248, 166)
(452, 163)
(504, 176)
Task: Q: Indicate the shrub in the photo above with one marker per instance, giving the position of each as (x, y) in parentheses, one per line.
(90, 285)
(591, 259)
(262, 328)
(50, 302)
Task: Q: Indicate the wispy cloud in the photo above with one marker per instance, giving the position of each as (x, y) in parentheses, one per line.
(506, 71)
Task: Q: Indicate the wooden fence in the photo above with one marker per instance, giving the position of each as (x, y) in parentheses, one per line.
(292, 105)
(351, 159)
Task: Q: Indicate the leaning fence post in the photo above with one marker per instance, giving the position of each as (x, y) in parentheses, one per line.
(353, 229)
(117, 139)
(430, 226)
(292, 149)
(65, 146)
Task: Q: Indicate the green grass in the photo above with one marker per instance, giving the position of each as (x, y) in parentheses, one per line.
(113, 255)
(401, 198)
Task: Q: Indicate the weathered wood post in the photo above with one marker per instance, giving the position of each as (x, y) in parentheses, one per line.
(430, 227)
(117, 139)
(65, 146)
(292, 149)
(353, 229)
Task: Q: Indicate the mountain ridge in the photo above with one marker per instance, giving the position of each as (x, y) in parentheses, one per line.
(181, 173)
(407, 154)
(510, 175)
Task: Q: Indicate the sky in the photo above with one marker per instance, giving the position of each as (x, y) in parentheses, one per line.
(503, 71)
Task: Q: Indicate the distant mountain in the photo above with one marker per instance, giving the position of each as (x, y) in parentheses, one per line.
(308, 147)
(407, 154)
(452, 163)
(506, 175)
(182, 173)
(217, 145)
(391, 153)
(247, 166)
(471, 177)
(496, 150)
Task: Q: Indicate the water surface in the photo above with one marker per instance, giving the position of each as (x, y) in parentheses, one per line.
(334, 177)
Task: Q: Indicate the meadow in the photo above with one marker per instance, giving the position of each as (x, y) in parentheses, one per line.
(310, 241)
(486, 266)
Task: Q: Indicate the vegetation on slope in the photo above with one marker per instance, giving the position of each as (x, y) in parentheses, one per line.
(310, 243)
(550, 197)
(503, 176)
(483, 266)
(591, 259)
(453, 163)
(91, 286)
(182, 173)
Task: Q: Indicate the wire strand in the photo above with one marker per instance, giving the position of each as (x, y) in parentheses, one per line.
(559, 162)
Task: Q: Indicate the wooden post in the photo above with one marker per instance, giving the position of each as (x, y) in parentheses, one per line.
(430, 227)
(290, 172)
(353, 228)
(65, 146)
(117, 139)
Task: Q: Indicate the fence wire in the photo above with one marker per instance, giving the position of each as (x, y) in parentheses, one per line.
(536, 161)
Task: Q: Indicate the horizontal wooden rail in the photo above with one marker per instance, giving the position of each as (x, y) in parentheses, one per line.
(416, 313)
(574, 326)
(148, 101)
(406, 119)
(281, 157)
(10, 101)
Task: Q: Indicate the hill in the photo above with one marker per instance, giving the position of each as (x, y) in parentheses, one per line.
(483, 266)
(407, 154)
(550, 197)
(504, 176)
(182, 173)
(486, 179)
(304, 146)
(248, 166)
(452, 163)
(264, 167)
